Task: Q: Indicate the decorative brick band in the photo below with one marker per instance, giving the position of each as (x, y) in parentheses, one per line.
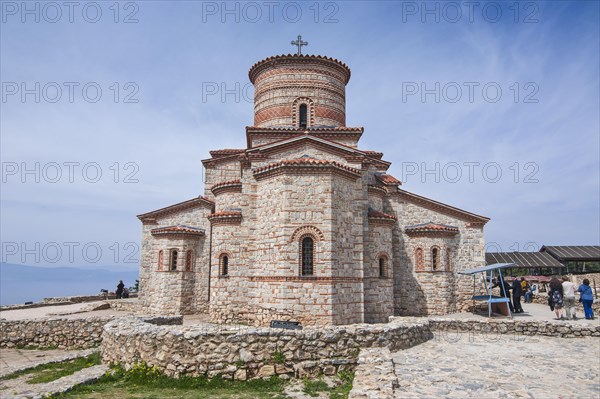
(307, 279)
(431, 230)
(294, 59)
(380, 218)
(231, 186)
(306, 166)
(221, 218)
(377, 190)
(179, 230)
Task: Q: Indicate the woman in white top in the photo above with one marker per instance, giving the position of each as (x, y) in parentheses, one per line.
(569, 297)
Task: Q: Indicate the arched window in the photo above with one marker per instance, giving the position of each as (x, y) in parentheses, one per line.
(160, 259)
(173, 259)
(448, 258)
(419, 261)
(435, 258)
(189, 258)
(224, 265)
(303, 115)
(382, 267)
(307, 256)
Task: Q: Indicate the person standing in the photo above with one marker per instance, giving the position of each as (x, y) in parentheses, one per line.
(517, 292)
(120, 288)
(569, 298)
(556, 297)
(504, 291)
(587, 298)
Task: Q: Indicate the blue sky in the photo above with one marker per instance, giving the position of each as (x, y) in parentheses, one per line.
(542, 132)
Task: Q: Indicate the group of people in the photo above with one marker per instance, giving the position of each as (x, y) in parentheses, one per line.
(562, 296)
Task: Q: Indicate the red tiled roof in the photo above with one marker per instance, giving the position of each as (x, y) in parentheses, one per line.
(301, 57)
(225, 183)
(194, 202)
(178, 229)
(374, 154)
(225, 214)
(303, 129)
(388, 180)
(307, 161)
(431, 227)
(441, 207)
(381, 215)
(226, 151)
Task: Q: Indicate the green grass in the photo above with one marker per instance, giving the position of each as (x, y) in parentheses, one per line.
(53, 371)
(123, 384)
(341, 390)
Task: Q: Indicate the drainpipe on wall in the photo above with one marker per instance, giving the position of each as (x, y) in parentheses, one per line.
(209, 262)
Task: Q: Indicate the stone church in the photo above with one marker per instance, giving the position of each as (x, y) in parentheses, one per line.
(303, 224)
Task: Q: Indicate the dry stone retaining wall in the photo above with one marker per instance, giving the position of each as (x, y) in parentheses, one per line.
(55, 332)
(245, 352)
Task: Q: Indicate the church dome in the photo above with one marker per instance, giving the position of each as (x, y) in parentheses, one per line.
(301, 91)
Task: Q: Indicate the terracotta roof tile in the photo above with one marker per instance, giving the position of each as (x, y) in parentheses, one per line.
(381, 215)
(304, 129)
(226, 183)
(178, 229)
(431, 227)
(374, 154)
(388, 180)
(225, 152)
(225, 214)
(301, 57)
(307, 161)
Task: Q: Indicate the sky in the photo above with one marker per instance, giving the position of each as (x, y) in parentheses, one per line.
(108, 108)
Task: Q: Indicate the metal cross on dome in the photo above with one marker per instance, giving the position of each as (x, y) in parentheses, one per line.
(299, 43)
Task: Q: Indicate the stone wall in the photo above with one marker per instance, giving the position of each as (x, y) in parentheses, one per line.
(427, 291)
(55, 332)
(244, 352)
(181, 291)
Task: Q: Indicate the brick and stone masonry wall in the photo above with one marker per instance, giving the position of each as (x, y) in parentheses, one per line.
(55, 332)
(175, 292)
(241, 353)
(433, 292)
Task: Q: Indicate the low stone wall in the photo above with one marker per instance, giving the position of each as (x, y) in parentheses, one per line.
(125, 305)
(246, 352)
(65, 333)
(516, 327)
(64, 300)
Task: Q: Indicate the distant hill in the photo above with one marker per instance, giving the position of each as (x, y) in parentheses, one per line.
(19, 284)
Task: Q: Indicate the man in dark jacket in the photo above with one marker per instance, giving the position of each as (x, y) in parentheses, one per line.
(516, 294)
(120, 288)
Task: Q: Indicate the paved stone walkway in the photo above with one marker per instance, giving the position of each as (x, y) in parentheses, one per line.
(12, 360)
(474, 366)
(20, 389)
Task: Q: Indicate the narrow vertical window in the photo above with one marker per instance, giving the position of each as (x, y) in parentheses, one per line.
(160, 259)
(189, 256)
(303, 115)
(224, 265)
(419, 261)
(307, 252)
(174, 259)
(382, 273)
(435, 261)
